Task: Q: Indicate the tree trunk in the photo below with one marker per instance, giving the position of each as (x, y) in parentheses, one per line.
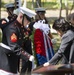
(33, 4)
(0, 9)
(66, 5)
(71, 7)
(60, 8)
(38, 3)
(25, 3)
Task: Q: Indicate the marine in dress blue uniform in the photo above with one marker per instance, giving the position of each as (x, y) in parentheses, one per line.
(11, 17)
(27, 65)
(11, 47)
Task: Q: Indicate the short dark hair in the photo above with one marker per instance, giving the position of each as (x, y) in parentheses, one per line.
(61, 24)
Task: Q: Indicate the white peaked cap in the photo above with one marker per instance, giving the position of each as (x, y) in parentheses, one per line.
(9, 5)
(27, 11)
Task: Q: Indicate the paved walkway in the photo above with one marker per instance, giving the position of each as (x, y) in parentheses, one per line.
(49, 13)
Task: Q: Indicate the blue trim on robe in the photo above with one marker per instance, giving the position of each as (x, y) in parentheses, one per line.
(49, 53)
(41, 59)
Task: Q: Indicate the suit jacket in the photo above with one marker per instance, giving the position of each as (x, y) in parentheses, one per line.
(66, 49)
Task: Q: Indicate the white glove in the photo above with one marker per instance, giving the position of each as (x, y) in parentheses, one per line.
(54, 41)
(46, 64)
(31, 58)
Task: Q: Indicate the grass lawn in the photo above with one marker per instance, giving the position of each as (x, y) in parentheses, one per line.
(56, 46)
